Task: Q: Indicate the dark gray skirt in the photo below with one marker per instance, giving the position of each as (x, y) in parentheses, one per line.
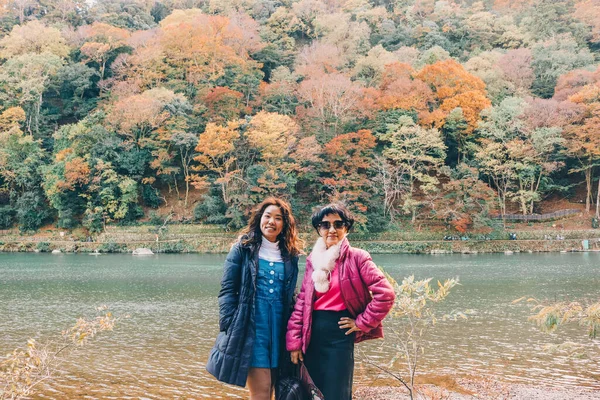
(330, 355)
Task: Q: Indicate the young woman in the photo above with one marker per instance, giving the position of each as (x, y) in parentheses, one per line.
(343, 299)
(255, 300)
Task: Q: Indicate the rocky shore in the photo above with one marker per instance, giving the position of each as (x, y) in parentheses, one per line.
(474, 389)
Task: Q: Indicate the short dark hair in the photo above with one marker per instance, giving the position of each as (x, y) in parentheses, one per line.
(333, 208)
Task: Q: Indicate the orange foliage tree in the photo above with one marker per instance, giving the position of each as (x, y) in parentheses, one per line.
(101, 40)
(455, 90)
(136, 117)
(349, 160)
(205, 44)
(330, 101)
(455, 87)
(583, 140)
(399, 90)
(223, 104)
(77, 172)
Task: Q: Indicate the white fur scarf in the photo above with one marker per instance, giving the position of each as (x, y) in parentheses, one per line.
(323, 262)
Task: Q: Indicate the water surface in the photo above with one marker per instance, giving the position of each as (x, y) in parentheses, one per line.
(161, 349)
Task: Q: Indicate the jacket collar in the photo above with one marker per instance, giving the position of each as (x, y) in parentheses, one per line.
(344, 248)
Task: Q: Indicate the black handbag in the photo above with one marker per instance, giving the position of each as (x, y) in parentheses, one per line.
(297, 385)
(290, 388)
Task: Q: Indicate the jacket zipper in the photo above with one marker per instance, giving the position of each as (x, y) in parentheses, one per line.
(341, 271)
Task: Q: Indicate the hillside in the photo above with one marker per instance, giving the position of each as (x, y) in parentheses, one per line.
(413, 112)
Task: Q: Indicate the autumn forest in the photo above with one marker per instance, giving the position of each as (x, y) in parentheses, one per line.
(405, 110)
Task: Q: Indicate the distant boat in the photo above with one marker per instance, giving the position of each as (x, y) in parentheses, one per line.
(95, 253)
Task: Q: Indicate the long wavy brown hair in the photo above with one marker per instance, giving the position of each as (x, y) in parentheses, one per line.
(290, 243)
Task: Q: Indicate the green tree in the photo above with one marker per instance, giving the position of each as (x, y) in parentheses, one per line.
(517, 158)
(417, 153)
(184, 144)
(467, 200)
(71, 94)
(550, 18)
(23, 81)
(555, 57)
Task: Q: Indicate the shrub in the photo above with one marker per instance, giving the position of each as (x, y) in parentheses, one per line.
(66, 218)
(92, 220)
(211, 210)
(7, 217)
(80, 234)
(112, 247)
(32, 211)
(412, 316)
(155, 218)
(150, 196)
(44, 247)
(174, 247)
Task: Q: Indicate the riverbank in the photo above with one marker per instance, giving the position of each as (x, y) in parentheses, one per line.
(472, 389)
(212, 239)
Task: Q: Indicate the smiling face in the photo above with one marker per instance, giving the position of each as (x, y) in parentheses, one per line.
(332, 229)
(271, 223)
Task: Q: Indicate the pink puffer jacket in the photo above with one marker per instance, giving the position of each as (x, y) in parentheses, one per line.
(366, 292)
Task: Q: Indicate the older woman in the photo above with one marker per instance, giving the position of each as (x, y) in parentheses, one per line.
(256, 293)
(343, 299)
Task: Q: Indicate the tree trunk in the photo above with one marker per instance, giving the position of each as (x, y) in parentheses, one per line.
(588, 184)
(102, 68)
(187, 191)
(37, 114)
(598, 201)
(176, 186)
(534, 188)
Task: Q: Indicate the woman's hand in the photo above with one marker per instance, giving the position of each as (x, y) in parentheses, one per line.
(348, 323)
(296, 355)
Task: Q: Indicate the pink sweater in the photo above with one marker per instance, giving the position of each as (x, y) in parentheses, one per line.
(366, 292)
(332, 299)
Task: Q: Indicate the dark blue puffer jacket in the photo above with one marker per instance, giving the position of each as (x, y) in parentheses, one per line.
(229, 359)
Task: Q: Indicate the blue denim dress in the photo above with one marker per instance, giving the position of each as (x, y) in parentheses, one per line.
(269, 313)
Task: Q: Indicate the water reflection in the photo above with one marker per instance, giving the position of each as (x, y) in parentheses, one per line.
(160, 351)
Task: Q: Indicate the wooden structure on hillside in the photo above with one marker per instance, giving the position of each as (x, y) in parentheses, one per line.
(538, 217)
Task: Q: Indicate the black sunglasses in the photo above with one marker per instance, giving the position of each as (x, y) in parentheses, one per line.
(327, 225)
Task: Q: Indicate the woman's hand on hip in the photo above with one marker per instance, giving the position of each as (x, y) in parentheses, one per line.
(296, 355)
(348, 323)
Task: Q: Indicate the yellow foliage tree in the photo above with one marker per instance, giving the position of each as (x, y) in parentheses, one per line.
(216, 155)
(33, 37)
(273, 134)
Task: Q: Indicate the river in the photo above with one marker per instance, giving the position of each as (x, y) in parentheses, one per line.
(160, 350)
